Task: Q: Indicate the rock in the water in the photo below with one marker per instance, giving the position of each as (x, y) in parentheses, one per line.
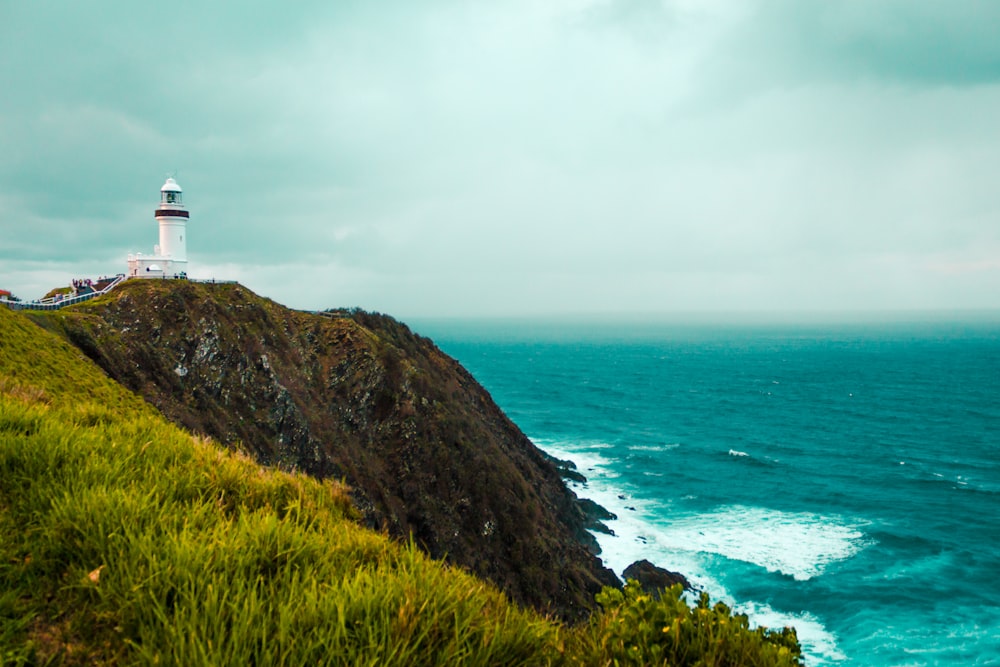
(596, 515)
(654, 579)
(594, 511)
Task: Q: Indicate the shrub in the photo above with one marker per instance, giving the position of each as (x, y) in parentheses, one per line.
(634, 628)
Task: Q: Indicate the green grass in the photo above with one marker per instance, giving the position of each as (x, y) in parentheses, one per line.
(125, 540)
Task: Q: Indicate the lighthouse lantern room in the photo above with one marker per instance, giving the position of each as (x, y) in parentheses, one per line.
(169, 258)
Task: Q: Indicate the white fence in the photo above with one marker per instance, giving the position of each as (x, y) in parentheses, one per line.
(59, 301)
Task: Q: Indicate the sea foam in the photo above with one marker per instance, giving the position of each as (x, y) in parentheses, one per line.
(819, 645)
(799, 545)
(796, 544)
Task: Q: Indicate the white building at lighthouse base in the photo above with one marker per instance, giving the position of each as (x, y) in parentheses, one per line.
(155, 266)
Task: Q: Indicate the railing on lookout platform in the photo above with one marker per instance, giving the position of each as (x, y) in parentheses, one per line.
(60, 301)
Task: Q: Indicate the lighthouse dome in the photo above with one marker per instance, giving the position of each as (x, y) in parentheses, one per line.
(170, 186)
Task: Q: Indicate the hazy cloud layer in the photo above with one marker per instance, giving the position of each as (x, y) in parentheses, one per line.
(428, 158)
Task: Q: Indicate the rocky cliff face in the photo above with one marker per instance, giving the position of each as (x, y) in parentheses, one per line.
(360, 397)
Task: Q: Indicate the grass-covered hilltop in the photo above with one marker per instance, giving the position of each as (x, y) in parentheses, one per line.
(127, 539)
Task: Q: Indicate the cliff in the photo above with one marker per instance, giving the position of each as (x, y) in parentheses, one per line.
(358, 397)
(127, 540)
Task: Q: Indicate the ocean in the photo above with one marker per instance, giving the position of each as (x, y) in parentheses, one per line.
(840, 478)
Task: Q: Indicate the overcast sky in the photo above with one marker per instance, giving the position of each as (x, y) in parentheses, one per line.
(428, 158)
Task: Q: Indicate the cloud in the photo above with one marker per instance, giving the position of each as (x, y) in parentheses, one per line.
(445, 158)
(892, 42)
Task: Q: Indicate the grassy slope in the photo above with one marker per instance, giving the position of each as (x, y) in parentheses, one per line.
(125, 540)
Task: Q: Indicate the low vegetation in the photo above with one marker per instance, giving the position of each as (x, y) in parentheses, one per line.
(126, 540)
(637, 628)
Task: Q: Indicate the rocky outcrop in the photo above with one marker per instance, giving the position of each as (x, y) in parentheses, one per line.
(596, 516)
(654, 579)
(360, 397)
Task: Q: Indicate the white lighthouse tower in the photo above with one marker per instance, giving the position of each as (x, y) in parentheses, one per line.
(169, 258)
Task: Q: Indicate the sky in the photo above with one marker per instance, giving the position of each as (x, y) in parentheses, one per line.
(453, 158)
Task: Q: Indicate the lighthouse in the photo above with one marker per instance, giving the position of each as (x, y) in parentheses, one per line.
(169, 258)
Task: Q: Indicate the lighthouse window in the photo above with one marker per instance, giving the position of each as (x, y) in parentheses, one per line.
(171, 197)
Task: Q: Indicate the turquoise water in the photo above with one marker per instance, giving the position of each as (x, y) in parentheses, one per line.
(843, 479)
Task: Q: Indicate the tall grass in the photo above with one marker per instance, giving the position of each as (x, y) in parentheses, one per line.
(134, 541)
